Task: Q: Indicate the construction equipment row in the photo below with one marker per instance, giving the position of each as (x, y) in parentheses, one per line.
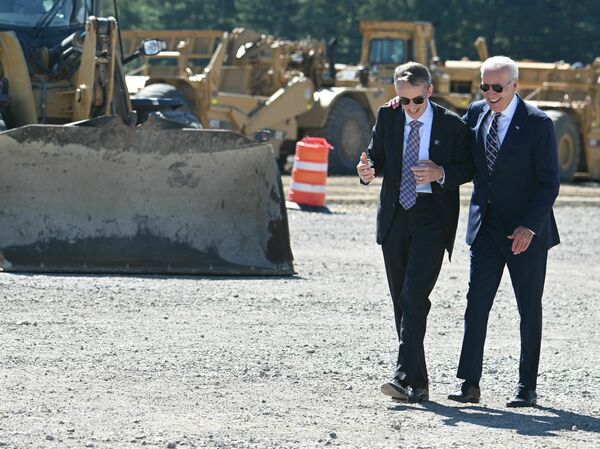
(247, 82)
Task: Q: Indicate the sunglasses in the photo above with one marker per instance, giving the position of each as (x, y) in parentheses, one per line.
(417, 100)
(498, 88)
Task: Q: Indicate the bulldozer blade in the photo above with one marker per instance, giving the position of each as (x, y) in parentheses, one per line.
(103, 197)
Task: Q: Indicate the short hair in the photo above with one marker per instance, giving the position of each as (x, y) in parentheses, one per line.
(501, 63)
(414, 73)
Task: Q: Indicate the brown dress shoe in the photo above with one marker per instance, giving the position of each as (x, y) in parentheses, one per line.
(467, 393)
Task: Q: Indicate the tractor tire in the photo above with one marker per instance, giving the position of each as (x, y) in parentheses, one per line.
(349, 131)
(183, 115)
(569, 144)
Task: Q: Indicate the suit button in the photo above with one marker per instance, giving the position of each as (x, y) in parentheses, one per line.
(490, 184)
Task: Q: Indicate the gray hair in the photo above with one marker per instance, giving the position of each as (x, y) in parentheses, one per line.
(501, 63)
(414, 73)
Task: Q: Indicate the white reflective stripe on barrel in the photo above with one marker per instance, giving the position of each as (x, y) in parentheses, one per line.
(311, 166)
(303, 187)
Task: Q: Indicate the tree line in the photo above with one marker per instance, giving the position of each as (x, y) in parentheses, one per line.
(544, 30)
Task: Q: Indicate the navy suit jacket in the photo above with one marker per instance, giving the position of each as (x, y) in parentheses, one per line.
(525, 180)
(449, 148)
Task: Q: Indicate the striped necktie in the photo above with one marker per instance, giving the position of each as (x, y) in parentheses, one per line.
(492, 143)
(408, 186)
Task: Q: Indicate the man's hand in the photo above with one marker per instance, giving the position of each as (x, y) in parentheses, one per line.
(521, 238)
(427, 171)
(393, 103)
(365, 171)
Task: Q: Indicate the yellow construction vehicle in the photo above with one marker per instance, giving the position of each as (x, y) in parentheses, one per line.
(94, 181)
(248, 82)
(570, 94)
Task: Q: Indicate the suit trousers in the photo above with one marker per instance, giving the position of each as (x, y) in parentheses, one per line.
(490, 253)
(413, 251)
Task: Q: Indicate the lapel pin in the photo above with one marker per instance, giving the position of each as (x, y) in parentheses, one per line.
(436, 142)
(517, 127)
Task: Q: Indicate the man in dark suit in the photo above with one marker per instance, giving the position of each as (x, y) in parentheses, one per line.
(510, 221)
(422, 152)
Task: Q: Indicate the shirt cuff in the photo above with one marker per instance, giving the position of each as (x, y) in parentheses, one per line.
(443, 180)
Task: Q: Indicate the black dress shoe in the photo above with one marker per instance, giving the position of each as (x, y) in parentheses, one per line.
(396, 389)
(467, 393)
(418, 394)
(523, 398)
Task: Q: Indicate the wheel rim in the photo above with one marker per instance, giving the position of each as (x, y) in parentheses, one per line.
(352, 140)
(566, 150)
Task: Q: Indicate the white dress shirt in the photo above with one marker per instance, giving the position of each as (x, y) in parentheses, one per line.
(503, 121)
(425, 137)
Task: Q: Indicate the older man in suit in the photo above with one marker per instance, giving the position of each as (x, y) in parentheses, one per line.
(422, 152)
(511, 222)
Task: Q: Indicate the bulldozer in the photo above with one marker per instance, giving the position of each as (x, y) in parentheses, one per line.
(94, 181)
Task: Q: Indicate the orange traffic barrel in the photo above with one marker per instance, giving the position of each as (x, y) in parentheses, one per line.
(309, 173)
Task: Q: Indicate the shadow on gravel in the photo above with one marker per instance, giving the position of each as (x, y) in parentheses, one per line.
(529, 422)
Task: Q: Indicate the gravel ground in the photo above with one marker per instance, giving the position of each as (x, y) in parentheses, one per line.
(294, 362)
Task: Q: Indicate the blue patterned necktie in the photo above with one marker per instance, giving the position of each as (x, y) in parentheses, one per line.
(408, 186)
(492, 143)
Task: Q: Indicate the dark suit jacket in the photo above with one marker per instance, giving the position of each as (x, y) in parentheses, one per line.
(525, 180)
(449, 148)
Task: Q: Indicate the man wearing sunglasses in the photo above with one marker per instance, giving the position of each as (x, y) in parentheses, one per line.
(511, 222)
(422, 152)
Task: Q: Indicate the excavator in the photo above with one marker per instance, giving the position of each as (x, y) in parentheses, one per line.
(94, 181)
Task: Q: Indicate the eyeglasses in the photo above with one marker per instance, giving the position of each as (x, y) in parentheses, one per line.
(417, 100)
(495, 87)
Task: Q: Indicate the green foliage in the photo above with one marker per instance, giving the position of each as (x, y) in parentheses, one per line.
(546, 30)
